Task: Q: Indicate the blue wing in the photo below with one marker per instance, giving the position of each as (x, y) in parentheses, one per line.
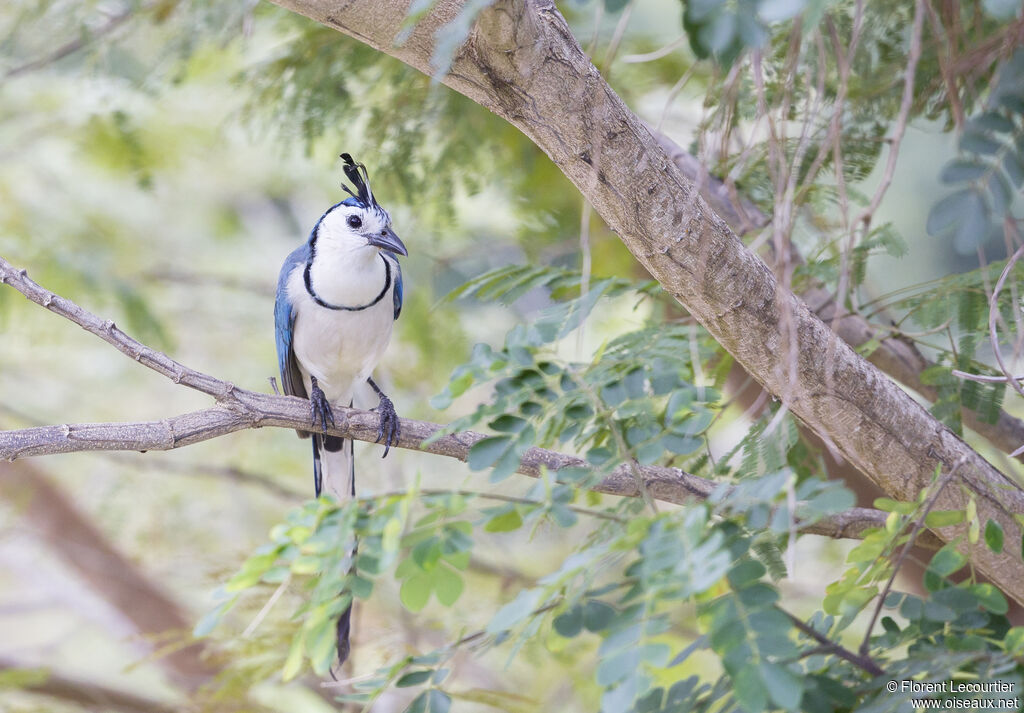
(398, 293)
(284, 321)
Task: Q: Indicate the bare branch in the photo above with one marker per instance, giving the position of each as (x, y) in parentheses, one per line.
(108, 332)
(242, 409)
(667, 484)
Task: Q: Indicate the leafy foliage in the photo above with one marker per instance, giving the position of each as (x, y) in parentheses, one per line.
(637, 574)
(990, 167)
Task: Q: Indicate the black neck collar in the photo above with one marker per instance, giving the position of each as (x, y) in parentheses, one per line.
(308, 279)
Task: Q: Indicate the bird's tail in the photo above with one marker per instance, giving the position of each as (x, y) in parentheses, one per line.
(334, 472)
(334, 467)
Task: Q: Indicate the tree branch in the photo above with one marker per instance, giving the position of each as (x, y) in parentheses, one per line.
(522, 62)
(895, 355)
(667, 484)
(240, 409)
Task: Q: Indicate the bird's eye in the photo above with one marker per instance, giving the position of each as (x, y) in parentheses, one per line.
(355, 221)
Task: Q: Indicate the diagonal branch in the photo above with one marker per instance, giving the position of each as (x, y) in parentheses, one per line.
(108, 332)
(240, 409)
(896, 356)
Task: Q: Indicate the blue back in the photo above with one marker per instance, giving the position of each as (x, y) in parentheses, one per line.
(284, 320)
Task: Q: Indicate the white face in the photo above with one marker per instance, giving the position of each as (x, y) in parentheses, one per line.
(353, 227)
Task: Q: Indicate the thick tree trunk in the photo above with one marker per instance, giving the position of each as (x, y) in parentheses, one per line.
(522, 62)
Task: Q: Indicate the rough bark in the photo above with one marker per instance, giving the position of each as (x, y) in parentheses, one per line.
(895, 356)
(522, 62)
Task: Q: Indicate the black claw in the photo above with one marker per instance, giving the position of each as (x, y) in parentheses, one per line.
(389, 426)
(319, 406)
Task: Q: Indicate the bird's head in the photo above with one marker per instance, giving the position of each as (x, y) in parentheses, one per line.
(358, 222)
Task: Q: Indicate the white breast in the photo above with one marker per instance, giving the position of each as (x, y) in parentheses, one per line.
(339, 347)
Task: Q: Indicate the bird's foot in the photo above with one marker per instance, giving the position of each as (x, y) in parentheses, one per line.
(389, 424)
(319, 406)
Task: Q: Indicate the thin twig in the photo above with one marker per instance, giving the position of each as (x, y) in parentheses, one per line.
(863, 662)
(993, 315)
(918, 527)
(984, 378)
(73, 46)
(656, 54)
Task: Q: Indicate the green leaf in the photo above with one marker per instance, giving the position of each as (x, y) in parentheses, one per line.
(973, 226)
(994, 536)
(616, 667)
(746, 572)
(681, 445)
(962, 170)
(890, 505)
(209, 622)
(515, 611)
(749, 689)
(947, 561)
(487, 451)
(415, 678)
(505, 521)
(507, 423)
(430, 701)
(784, 687)
(415, 591)
(990, 598)
(448, 585)
(944, 518)
(1013, 642)
(293, 664)
(994, 122)
(779, 10)
(1014, 167)
(569, 623)
(999, 192)
(597, 616)
(978, 143)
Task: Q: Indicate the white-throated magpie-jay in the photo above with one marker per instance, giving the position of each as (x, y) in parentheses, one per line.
(338, 296)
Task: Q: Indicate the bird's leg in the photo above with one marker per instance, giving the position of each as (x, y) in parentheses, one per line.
(389, 424)
(319, 406)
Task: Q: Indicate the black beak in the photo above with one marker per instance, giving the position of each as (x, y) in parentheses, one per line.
(387, 240)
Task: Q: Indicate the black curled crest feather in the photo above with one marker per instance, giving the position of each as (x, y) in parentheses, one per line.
(356, 173)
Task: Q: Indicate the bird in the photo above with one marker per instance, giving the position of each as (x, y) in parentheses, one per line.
(338, 296)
